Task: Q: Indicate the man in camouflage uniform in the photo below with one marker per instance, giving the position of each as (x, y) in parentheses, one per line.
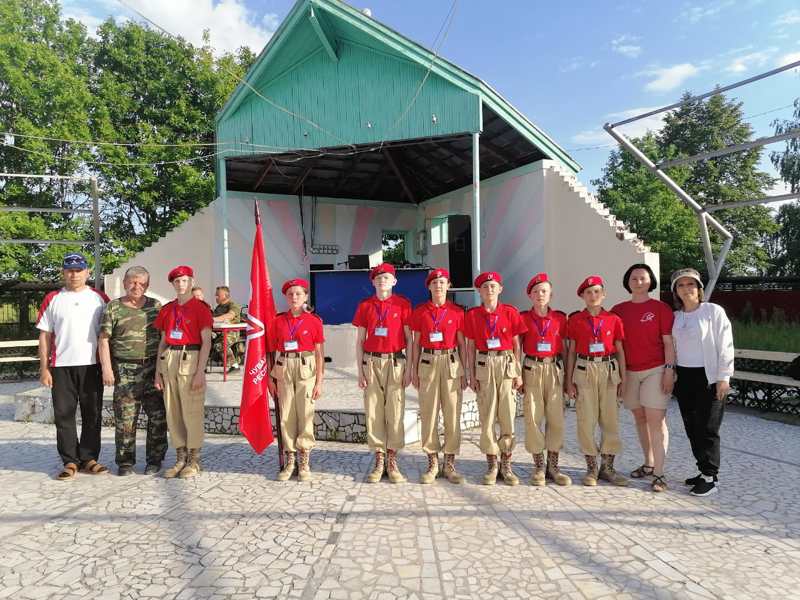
(128, 350)
(229, 312)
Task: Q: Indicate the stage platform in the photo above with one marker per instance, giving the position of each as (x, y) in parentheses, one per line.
(339, 413)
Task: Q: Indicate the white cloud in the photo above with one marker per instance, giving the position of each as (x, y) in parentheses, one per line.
(695, 13)
(230, 23)
(575, 63)
(635, 129)
(788, 59)
(745, 62)
(668, 78)
(626, 46)
(789, 18)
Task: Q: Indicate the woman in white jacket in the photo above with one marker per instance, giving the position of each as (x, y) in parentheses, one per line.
(704, 357)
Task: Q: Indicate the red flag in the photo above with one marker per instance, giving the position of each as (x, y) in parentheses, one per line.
(254, 420)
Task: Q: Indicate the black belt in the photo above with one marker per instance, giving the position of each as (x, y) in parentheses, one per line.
(493, 352)
(302, 354)
(184, 347)
(135, 361)
(434, 351)
(603, 358)
(544, 359)
(394, 355)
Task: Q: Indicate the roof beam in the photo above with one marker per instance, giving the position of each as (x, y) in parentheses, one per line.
(766, 200)
(327, 41)
(263, 174)
(763, 141)
(399, 175)
(300, 180)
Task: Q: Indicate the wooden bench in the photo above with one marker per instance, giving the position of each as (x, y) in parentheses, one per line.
(19, 344)
(766, 391)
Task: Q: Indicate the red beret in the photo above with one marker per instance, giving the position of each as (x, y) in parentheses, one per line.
(589, 282)
(293, 282)
(435, 274)
(488, 276)
(180, 271)
(537, 279)
(381, 269)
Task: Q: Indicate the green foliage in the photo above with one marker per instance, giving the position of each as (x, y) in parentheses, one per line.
(774, 335)
(784, 245)
(788, 161)
(131, 84)
(668, 225)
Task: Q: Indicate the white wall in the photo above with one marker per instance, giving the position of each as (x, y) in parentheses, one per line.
(535, 218)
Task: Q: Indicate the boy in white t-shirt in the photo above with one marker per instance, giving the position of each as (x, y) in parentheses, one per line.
(69, 324)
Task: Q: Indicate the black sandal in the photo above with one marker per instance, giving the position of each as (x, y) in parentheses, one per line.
(659, 484)
(94, 468)
(643, 471)
(68, 472)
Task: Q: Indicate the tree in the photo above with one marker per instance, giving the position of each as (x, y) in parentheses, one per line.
(663, 221)
(784, 245)
(44, 65)
(650, 209)
(788, 161)
(133, 84)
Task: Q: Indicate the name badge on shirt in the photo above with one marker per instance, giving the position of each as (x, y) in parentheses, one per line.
(493, 343)
(290, 346)
(597, 347)
(176, 334)
(381, 332)
(436, 336)
(544, 347)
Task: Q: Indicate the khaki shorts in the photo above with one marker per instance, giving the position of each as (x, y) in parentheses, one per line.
(643, 389)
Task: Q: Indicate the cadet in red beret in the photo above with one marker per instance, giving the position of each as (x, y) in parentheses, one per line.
(542, 376)
(492, 330)
(383, 334)
(297, 339)
(437, 372)
(185, 325)
(595, 375)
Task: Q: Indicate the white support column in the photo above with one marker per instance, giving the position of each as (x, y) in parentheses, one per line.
(223, 193)
(476, 208)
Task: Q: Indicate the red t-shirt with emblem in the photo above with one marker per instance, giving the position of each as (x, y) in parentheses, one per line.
(550, 329)
(584, 329)
(504, 323)
(645, 324)
(447, 320)
(190, 318)
(374, 314)
(305, 329)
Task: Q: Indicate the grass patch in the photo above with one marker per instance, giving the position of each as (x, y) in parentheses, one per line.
(774, 335)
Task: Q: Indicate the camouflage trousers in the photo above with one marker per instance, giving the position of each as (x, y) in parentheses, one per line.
(233, 355)
(133, 391)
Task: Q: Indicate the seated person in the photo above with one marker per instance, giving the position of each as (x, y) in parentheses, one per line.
(197, 292)
(227, 312)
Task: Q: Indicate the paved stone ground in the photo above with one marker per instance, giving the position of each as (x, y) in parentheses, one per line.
(235, 533)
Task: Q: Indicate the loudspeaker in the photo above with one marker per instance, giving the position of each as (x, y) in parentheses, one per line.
(321, 267)
(459, 242)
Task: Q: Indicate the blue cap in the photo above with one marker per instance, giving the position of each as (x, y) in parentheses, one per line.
(75, 261)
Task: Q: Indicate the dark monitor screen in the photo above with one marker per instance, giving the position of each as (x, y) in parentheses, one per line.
(358, 261)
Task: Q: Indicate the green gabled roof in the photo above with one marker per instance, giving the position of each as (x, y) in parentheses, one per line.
(314, 29)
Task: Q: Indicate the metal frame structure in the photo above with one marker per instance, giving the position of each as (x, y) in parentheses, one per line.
(94, 211)
(703, 213)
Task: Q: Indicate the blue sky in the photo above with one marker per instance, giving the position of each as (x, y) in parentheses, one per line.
(569, 66)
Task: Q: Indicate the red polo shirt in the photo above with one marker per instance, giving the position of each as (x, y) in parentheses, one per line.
(646, 323)
(550, 329)
(584, 329)
(503, 324)
(190, 319)
(391, 314)
(305, 330)
(446, 320)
